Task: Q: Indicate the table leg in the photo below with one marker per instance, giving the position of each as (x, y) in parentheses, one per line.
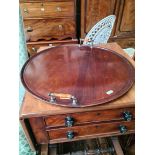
(52, 149)
(44, 149)
(117, 146)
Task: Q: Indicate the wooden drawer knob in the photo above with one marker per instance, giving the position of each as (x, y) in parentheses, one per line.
(58, 9)
(127, 116)
(42, 9)
(29, 29)
(123, 129)
(34, 49)
(70, 134)
(60, 27)
(26, 11)
(69, 121)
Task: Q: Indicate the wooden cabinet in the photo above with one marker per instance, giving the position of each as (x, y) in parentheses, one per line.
(60, 20)
(94, 10)
(126, 18)
(123, 32)
(101, 122)
(48, 22)
(61, 134)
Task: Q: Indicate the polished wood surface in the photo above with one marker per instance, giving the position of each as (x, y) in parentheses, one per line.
(33, 47)
(125, 43)
(93, 11)
(48, 9)
(37, 125)
(124, 28)
(59, 134)
(27, 134)
(126, 19)
(47, 29)
(98, 75)
(86, 130)
(88, 117)
(35, 107)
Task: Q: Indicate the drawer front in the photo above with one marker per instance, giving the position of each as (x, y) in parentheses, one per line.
(92, 130)
(47, 29)
(125, 42)
(33, 47)
(48, 9)
(88, 117)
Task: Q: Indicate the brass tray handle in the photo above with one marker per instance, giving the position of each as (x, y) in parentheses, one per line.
(62, 96)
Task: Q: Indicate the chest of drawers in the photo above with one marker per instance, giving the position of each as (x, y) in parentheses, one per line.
(82, 125)
(47, 124)
(51, 9)
(124, 28)
(52, 22)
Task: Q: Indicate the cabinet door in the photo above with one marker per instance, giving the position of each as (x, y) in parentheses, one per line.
(126, 18)
(94, 10)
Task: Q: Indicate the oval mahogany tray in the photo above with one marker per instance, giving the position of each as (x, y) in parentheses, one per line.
(77, 76)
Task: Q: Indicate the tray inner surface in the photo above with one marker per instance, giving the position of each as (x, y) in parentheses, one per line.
(92, 75)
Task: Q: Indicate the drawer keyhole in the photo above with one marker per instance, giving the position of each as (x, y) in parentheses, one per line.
(98, 114)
